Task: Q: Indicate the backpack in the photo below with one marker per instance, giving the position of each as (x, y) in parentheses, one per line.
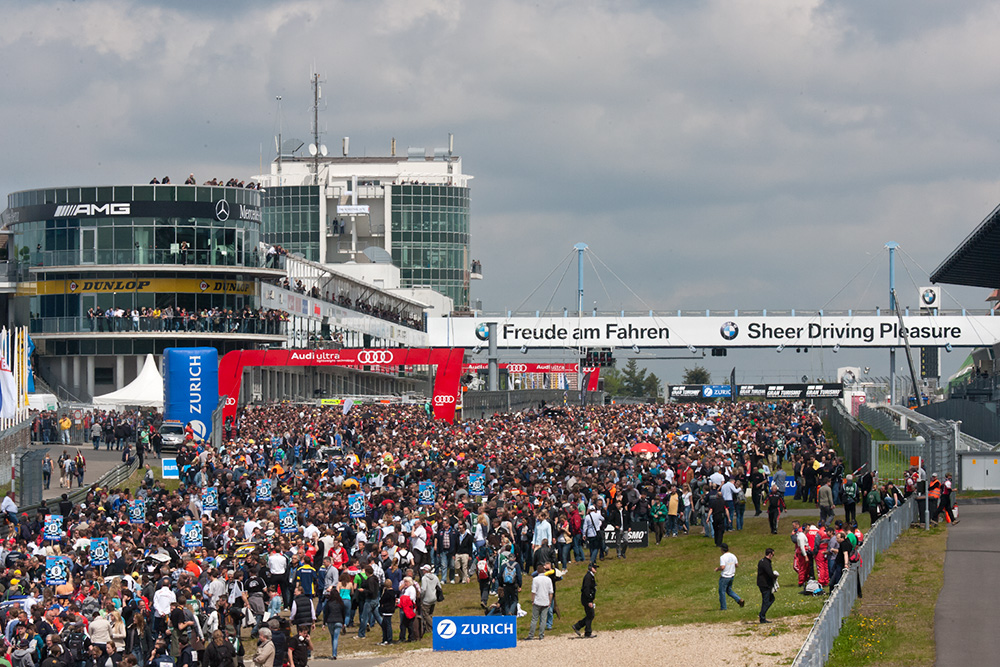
(813, 588)
(510, 572)
(483, 569)
(75, 643)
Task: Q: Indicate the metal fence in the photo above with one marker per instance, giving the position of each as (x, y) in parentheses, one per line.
(481, 404)
(825, 630)
(855, 440)
(978, 420)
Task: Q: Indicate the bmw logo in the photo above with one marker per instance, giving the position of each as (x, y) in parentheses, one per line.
(929, 297)
(483, 332)
(729, 330)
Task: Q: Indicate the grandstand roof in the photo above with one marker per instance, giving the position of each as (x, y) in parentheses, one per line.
(974, 261)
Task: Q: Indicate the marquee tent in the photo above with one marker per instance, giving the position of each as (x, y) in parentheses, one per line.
(146, 391)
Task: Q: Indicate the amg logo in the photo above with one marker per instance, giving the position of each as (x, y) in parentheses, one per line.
(75, 210)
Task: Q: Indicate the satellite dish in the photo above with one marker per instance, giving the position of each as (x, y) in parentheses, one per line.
(377, 255)
(322, 150)
(312, 149)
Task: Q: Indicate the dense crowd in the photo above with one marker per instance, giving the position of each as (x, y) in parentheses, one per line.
(371, 543)
(212, 320)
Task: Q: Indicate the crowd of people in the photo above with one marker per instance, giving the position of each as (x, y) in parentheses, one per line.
(390, 507)
(361, 305)
(231, 183)
(211, 320)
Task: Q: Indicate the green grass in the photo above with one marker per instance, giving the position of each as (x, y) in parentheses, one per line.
(135, 481)
(961, 494)
(893, 625)
(671, 584)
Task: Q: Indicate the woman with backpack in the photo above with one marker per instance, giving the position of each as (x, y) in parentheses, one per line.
(220, 653)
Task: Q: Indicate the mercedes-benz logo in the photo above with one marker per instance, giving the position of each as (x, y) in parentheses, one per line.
(222, 210)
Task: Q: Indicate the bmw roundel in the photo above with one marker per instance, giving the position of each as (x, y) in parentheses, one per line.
(729, 330)
(929, 296)
(483, 332)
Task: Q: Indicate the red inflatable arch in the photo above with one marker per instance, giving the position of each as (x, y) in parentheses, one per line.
(446, 380)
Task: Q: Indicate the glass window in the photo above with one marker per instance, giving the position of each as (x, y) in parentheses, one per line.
(123, 193)
(142, 193)
(163, 192)
(185, 193)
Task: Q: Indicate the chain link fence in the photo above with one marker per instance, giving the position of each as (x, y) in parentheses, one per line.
(825, 630)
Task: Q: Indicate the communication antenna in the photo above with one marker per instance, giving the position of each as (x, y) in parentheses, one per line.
(277, 141)
(315, 146)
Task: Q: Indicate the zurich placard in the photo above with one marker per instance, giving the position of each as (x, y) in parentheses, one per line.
(474, 633)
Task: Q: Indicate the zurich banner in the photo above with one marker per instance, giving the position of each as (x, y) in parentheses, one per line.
(474, 633)
(790, 485)
(191, 387)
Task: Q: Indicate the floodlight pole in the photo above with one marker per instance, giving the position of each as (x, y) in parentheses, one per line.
(892, 245)
(580, 248)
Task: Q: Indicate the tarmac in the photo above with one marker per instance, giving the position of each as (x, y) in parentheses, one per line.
(98, 463)
(965, 619)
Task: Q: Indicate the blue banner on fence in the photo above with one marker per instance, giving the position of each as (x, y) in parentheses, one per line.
(100, 553)
(210, 499)
(192, 534)
(53, 527)
(428, 491)
(56, 570)
(716, 390)
(474, 633)
(169, 469)
(263, 494)
(137, 511)
(288, 519)
(790, 485)
(477, 484)
(356, 503)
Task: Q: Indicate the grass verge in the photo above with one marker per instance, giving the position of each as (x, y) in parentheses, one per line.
(893, 625)
(670, 584)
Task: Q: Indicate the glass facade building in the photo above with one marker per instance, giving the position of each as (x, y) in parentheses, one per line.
(430, 238)
(292, 219)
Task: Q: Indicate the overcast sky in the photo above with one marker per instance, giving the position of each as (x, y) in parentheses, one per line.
(714, 155)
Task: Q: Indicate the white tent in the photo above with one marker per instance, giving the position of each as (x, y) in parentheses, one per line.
(145, 391)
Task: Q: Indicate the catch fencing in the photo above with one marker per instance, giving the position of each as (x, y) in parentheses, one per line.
(825, 630)
(855, 440)
(482, 404)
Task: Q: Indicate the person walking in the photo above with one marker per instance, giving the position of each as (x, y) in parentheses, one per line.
(766, 579)
(727, 566)
(718, 516)
(849, 497)
(592, 525)
(542, 591)
(588, 593)
(775, 506)
(825, 499)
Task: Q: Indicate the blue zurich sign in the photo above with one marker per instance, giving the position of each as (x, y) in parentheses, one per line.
(474, 633)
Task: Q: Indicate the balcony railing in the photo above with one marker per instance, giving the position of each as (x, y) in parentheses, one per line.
(127, 325)
(144, 257)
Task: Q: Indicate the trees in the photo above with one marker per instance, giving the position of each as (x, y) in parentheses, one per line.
(634, 381)
(697, 375)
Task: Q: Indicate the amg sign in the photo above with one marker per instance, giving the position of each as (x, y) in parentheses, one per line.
(90, 210)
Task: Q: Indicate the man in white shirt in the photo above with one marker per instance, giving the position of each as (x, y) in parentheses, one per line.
(592, 524)
(163, 598)
(418, 542)
(727, 566)
(729, 492)
(277, 567)
(248, 528)
(541, 598)
(717, 477)
(9, 507)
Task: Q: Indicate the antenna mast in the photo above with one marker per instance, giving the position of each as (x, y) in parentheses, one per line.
(278, 146)
(317, 94)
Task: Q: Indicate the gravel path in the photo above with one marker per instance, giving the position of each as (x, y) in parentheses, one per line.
(741, 643)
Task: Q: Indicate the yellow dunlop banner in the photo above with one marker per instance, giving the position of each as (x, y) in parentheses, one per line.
(112, 285)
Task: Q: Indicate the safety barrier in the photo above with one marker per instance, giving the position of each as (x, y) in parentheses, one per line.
(886, 530)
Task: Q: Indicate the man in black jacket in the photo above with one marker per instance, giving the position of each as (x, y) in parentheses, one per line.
(766, 576)
(588, 591)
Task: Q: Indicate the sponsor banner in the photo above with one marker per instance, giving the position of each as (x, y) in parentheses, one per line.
(790, 485)
(356, 505)
(192, 534)
(137, 511)
(191, 387)
(359, 209)
(57, 570)
(263, 492)
(477, 484)
(288, 520)
(635, 536)
(100, 552)
(681, 391)
(716, 390)
(145, 285)
(474, 633)
(53, 527)
(735, 331)
(210, 499)
(169, 469)
(530, 368)
(428, 492)
(220, 210)
(790, 391)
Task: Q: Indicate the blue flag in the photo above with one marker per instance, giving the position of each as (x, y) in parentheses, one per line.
(100, 553)
(192, 534)
(427, 493)
(477, 484)
(288, 520)
(356, 503)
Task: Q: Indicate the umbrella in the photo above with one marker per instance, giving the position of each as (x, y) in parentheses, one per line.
(691, 427)
(708, 428)
(645, 447)
(687, 437)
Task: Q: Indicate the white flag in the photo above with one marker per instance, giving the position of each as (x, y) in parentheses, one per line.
(8, 390)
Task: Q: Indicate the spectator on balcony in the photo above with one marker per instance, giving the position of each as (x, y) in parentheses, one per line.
(190, 180)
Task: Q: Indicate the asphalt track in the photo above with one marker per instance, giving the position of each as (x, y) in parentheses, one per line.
(965, 619)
